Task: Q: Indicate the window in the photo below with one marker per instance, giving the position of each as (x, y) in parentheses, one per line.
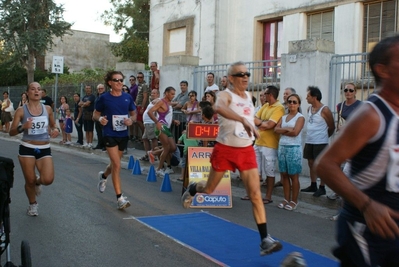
(321, 25)
(380, 21)
(272, 34)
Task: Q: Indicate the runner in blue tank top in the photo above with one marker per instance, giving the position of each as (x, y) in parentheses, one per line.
(119, 112)
(36, 122)
(368, 226)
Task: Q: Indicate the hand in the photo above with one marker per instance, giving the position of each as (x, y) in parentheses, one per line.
(250, 129)
(127, 121)
(103, 121)
(54, 133)
(380, 220)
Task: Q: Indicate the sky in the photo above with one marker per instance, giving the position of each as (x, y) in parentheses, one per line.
(86, 16)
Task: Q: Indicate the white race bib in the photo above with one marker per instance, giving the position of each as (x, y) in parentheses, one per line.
(118, 123)
(240, 132)
(39, 125)
(393, 170)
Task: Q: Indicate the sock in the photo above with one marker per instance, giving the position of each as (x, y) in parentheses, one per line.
(33, 203)
(118, 196)
(262, 228)
(103, 176)
(193, 190)
(322, 186)
(313, 184)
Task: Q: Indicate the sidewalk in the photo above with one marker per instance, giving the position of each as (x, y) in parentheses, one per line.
(318, 206)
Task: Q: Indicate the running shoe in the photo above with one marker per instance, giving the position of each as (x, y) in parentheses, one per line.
(190, 192)
(123, 203)
(160, 173)
(151, 157)
(32, 210)
(102, 182)
(269, 245)
(38, 187)
(169, 171)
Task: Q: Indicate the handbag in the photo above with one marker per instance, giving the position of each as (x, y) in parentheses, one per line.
(10, 108)
(341, 121)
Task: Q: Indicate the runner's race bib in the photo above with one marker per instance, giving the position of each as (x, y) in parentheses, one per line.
(39, 125)
(118, 123)
(393, 170)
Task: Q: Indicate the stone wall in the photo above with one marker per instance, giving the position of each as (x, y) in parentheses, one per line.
(83, 50)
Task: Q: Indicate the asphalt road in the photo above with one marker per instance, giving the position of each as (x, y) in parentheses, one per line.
(78, 226)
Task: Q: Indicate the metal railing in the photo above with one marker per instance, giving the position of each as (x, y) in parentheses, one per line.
(263, 73)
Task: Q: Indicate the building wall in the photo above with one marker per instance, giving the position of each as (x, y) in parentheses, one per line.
(229, 30)
(83, 50)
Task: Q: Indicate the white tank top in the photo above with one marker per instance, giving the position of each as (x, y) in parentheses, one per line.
(317, 128)
(232, 133)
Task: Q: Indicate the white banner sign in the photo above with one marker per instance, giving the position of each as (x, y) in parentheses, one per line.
(58, 64)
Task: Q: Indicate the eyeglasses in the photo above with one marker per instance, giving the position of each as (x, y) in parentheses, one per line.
(350, 90)
(292, 102)
(117, 80)
(241, 74)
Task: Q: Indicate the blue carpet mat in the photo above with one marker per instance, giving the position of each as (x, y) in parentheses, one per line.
(224, 242)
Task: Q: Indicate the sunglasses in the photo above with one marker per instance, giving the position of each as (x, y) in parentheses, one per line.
(241, 74)
(292, 102)
(140, 77)
(117, 80)
(350, 90)
(132, 79)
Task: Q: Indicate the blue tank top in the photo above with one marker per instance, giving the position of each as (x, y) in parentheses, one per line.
(40, 124)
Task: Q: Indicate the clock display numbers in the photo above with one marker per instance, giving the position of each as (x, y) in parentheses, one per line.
(202, 131)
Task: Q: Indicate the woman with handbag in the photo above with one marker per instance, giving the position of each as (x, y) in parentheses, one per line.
(345, 108)
(7, 108)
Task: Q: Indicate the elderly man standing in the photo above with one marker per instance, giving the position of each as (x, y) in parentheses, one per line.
(234, 150)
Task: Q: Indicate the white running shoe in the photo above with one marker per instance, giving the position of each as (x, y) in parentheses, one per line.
(38, 187)
(160, 173)
(123, 203)
(269, 246)
(32, 210)
(169, 171)
(102, 182)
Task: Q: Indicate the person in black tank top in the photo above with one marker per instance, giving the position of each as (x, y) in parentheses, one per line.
(368, 225)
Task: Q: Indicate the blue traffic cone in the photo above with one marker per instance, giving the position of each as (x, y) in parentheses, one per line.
(131, 163)
(166, 186)
(151, 176)
(137, 168)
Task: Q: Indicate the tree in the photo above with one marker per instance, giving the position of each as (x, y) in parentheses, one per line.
(132, 17)
(27, 28)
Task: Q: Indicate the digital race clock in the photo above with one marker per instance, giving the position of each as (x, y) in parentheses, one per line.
(202, 131)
